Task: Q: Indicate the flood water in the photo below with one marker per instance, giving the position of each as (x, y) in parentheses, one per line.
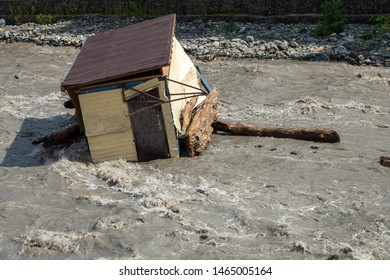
(243, 198)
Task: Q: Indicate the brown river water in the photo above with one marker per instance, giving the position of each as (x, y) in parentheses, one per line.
(243, 198)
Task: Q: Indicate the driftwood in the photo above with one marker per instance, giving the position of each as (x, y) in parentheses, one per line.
(200, 130)
(63, 136)
(187, 112)
(385, 161)
(309, 134)
(69, 104)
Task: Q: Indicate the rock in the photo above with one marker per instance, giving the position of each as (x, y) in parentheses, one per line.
(349, 39)
(283, 41)
(384, 53)
(283, 45)
(250, 39)
(242, 30)
(342, 50)
(242, 48)
(215, 44)
(367, 61)
(293, 44)
(250, 52)
(271, 47)
(201, 27)
(198, 21)
(354, 55)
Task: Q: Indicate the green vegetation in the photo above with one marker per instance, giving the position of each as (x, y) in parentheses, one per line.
(381, 24)
(44, 19)
(230, 26)
(271, 20)
(334, 19)
(303, 30)
(367, 35)
(124, 8)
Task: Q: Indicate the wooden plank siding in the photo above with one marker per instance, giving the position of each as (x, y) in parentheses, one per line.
(104, 112)
(113, 146)
(107, 125)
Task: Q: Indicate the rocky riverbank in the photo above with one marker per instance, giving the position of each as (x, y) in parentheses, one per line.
(208, 39)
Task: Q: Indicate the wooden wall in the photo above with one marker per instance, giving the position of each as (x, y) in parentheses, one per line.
(107, 126)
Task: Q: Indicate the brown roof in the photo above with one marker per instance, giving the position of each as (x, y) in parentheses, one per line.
(117, 53)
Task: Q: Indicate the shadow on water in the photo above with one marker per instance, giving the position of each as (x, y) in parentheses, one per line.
(22, 153)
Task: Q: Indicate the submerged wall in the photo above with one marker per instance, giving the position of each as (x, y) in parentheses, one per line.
(188, 7)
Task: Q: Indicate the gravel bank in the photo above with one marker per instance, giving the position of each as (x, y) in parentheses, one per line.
(208, 39)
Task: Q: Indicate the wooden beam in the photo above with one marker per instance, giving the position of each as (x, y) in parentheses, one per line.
(200, 129)
(308, 134)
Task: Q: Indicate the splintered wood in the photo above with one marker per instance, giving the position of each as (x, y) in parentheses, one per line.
(187, 113)
(200, 129)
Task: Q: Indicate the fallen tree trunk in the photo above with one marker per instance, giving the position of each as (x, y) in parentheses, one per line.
(309, 134)
(200, 130)
(66, 135)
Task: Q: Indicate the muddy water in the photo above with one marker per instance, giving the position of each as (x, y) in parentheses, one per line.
(244, 198)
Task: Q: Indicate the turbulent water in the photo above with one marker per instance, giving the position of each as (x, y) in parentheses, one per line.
(244, 198)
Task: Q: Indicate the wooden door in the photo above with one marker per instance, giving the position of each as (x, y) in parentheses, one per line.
(148, 127)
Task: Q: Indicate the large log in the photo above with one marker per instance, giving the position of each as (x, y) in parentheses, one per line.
(309, 134)
(64, 136)
(200, 130)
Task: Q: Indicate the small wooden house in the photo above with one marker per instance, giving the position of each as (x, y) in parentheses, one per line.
(129, 87)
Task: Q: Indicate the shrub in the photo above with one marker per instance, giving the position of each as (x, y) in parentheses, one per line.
(44, 19)
(303, 30)
(334, 19)
(381, 24)
(127, 8)
(230, 26)
(367, 35)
